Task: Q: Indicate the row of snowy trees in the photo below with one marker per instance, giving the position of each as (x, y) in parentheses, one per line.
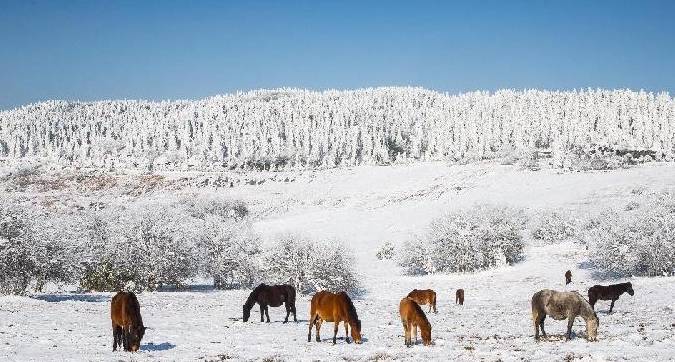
(149, 244)
(284, 128)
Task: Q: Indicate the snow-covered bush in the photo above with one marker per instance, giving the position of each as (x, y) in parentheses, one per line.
(472, 239)
(386, 251)
(554, 226)
(310, 266)
(33, 251)
(230, 255)
(637, 242)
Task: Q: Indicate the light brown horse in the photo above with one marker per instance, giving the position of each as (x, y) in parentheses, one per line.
(563, 305)
(412, 317)
(332, 307)
(127, 324)
(459, 297)
(424, 297)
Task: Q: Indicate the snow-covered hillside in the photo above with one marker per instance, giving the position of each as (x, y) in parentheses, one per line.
(300, 129)
(365, 207)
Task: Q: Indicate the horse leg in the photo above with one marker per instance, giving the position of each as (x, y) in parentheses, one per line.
(288, 312)
(570, 323)
(541, 325)
(611, 306)
(262, 313)
(125, 339)
(312, 321)
(114, 330)
(335, 331)
(405, 333)
(267, 313)
(347, 332)
(318, 327)
(414, 328)
(295, 315)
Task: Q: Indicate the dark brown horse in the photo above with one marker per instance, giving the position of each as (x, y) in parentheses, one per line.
(331, 307)
(271, 296)
(127, 324)
(610, 292)
(568, 277)
(459, 297)
(424, 297)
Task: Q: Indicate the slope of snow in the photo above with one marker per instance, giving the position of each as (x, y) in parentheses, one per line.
(364, 207)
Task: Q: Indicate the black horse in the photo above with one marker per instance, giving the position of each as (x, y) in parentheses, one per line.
(271, 296)
(610, 292)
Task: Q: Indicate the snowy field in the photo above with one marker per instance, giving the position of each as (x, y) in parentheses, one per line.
(365, 207)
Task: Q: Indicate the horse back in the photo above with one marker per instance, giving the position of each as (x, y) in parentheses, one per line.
(329, 306)
(125, 310)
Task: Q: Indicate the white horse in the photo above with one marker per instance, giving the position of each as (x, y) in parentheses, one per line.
(563, 305)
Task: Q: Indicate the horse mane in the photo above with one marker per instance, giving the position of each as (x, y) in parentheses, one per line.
(254, 294)
(351, 310)
(136, 309)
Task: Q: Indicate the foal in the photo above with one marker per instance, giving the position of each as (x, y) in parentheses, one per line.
(610, 292)
(424, 297)
(412, 317)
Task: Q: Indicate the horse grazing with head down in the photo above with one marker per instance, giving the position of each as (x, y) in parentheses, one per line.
(332, 307)
(563, 305)
(271, 296)
(610, 292)
(127, 324)
(424, 297)
(412, 317)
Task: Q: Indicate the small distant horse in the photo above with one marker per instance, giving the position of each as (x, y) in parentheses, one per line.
(412, 317)
(127, 324)
(563, 305)
(271, 296)
(610, 292)
(568, 277)
(424, 297)
(459, 297)
(331, 307)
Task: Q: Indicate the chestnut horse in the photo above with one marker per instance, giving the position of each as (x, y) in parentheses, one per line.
(331, 307)
(459, 297)
(424, 297)
(271, 296)
(127, 324)
(610, 292)
(412, 317)
(563, 305)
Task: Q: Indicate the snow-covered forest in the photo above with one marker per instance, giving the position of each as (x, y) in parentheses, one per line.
(300, 129)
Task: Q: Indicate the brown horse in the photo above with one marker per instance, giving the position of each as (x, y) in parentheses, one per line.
(271, 296)
(412, 317)
(424, 297)
(568, 277)
(127, 324)
(563, 305)
(459, 297)
(331, 307)
(610, 292)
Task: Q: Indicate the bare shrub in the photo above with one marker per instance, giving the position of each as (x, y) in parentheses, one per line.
(554, 226)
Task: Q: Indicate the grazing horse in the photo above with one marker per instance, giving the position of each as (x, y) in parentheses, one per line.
(610, 292)
(412, 317)
(459, 297)
(271, 296)
(563, 305)
(424, 297)
(331, 307)
(568, 277)
(127, 324)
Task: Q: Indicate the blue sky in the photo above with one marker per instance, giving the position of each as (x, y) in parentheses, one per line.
(90, 50)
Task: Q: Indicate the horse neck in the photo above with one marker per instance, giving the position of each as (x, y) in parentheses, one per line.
(252, 298)
(585, 310)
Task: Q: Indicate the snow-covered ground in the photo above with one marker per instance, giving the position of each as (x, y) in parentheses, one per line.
(365, 207)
